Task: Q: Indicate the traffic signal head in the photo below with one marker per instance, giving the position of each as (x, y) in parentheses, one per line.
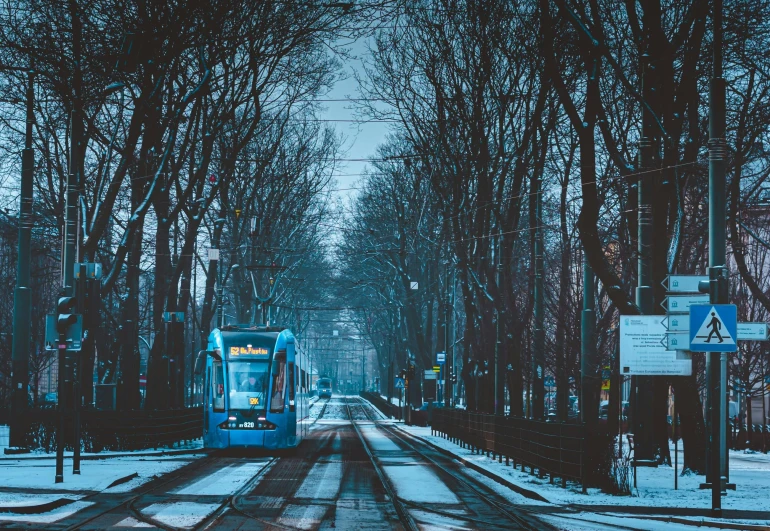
(64, 321)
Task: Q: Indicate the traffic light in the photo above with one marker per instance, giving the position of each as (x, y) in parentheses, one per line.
(453, 379)
(67, 325)
(411, 371)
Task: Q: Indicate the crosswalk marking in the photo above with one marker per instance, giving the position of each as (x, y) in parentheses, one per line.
(224, 481)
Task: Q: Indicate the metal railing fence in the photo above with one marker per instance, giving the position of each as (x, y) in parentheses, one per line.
(116, 430)
(552, 448)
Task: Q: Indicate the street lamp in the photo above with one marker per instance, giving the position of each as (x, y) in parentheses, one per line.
(22, 297)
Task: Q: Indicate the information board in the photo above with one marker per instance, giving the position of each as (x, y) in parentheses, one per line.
(643, 351)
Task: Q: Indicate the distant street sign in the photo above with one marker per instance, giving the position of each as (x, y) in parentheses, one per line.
(713, 328)
(178, 316)
(440, 357)
(399, 383)
(681, 303)
(684, 283)
(213, 254)
(677, 323)
(549, 382)
(677, 340)
(605, 385)
(437, 368)
(430, 375)
(643, 350)
(752, 331)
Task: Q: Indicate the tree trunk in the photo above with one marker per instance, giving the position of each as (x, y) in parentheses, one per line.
(693, 427)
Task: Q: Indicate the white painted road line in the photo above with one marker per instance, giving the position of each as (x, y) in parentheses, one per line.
(224, 481)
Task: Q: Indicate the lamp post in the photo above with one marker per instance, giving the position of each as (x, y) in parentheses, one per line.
(22, 297)
(220, 290)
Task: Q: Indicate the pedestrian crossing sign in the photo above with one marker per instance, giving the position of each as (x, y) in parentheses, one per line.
(713, 328)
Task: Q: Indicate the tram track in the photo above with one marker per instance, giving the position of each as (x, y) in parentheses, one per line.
(531, 523)
(403, 513)
(187, 473)
(507, 509)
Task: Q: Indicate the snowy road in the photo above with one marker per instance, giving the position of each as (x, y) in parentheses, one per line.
(356, 471)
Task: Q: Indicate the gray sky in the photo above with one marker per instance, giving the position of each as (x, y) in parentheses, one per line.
(361, 140)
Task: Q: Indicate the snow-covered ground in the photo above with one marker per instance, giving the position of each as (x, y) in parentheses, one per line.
(94, 475)
(655, 486)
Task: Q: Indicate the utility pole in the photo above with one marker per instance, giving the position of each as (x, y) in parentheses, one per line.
(717, 362)
(447, 358)
(22, 300)
(644, 439)
(66, 394)
(589, 406)
(538, 356)
(499, 381)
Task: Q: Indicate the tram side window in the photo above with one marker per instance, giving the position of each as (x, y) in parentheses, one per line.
(292, 388)
(218, 386)
(279, 385)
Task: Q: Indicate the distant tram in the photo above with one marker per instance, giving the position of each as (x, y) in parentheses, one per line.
(324, 387)
(255, 389)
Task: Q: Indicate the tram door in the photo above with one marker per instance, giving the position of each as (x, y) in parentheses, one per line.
(291, 418)
(214, 406)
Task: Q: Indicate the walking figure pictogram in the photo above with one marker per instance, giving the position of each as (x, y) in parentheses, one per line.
(716, 326)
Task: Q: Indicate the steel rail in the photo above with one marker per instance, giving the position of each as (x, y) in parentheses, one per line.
(145, 489)
(493, 503)
(402, 512)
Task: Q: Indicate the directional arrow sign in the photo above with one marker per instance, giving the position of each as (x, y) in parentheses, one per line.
(677, 323)
(683, 283)
(682, 303)
(752, 331)
(677, 341)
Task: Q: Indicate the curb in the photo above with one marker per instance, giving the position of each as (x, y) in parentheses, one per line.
(702, 523)
(97, 457)
(60, 502)
(37, 509)
(532, 495)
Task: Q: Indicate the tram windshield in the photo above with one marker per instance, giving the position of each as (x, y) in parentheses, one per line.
(248, 384)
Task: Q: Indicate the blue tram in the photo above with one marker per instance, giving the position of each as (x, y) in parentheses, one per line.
(255, 389)
(324, 387)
